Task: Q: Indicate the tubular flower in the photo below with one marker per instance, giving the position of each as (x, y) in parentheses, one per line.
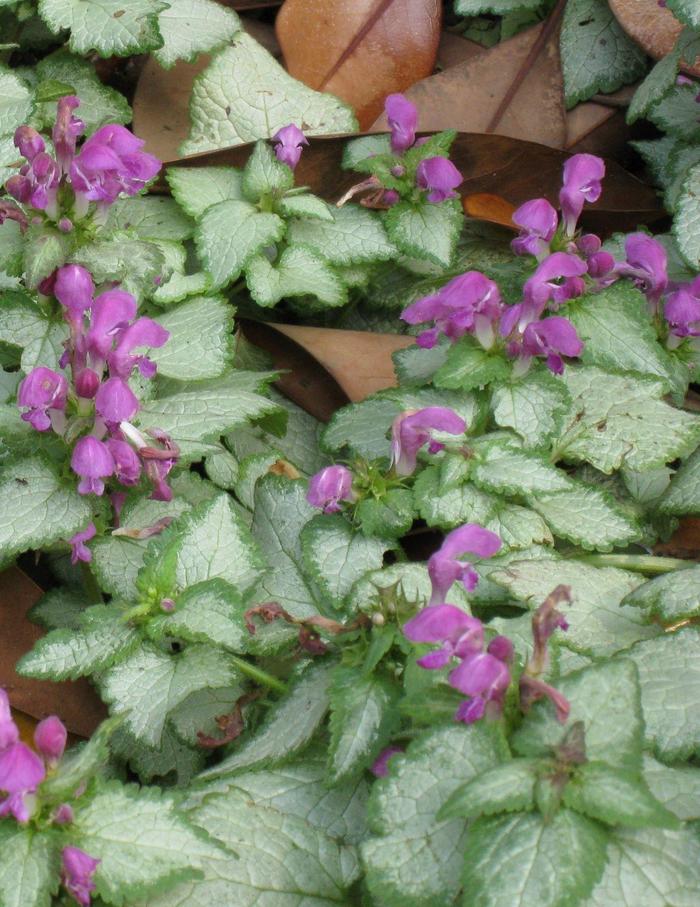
(444, 566)
(93, 462)
(288, 145)
(329, 487)
(646, 264)
(485, 679)
(79, 550)
(412, 430)
(557, 278)
(552, 338)
(682, 312)
(583, 174)
(50, 738)
(110, 163)
(402, 117)
(538, 222)
(440, 177)
(77, 875)
(459, 632)
(40, 392)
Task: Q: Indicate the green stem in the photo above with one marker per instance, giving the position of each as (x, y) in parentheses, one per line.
(642, 563)
(258, 675)
(90, 585)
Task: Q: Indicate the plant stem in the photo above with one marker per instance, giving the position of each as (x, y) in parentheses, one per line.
(258, 675)
(642, 563)
(90, 585)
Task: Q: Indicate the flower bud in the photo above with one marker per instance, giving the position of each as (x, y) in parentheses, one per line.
(87, 383)
(50, 739)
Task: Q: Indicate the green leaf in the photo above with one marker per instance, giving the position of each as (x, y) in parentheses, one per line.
(469, 366)
(11, 248)
(200, 711)
(390, 516)
(170, 762)
(336, 555)
(305, 205)
(606, 698)
(657, 82)
(676, 786)
(508, 787)
(597, 56)
(656, 154)
(653, 867)
(297, 272)
(150, 683)
(132, 263)
(230, 233)
(45, 250)
(38, 508)
(149, 217)
(686, 224)
(685, 10)
(427, 231)
(599, 623)
(110, 27)
(414, 365)
(103, 639)
(670, 598)
(363, 428)
(503, 468)
(143, 840)
(201, 340)
(363, 718)
(99, 104)
(523, 860)
(353, 236)
(497, 7)
(676, 113)
(668, 676)
(518, 527)
(15, 103)
(683, 495)
(453, 506)
(413, 858)
(59, 608)
(616, 797)
(30, 866)
(290, 724)
(264, 174)
(534, 407)
(209, 612)
(191, 27)
(198, 188)
(681, 161)
(24, 324)
(230, 101)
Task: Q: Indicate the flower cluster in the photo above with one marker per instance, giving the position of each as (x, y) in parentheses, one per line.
(21, 772)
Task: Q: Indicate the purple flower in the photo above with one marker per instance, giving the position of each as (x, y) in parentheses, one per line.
(64, 815)
(42, 390)
(468, 304)
(74, 289)
(36, 184)
(445, 568)
(111, 313)
(501, 648)
(646, 264)
(682, 312)
(582, 183)
(9, 733)
(93, 462)
(329, 487)
(459, 632)
(116, 402)
(21, 771)
(288, 145)
(78, 870)
(110, 163)
(144, 332)
(29, 142)
(412, 430)
(403, 120)
(380, 766)
(556, 279)
(440, 177)
(550, 338)
(538, 222)
(127, 465)
(50, 737)
(80, 551)
(158, 462)
(87, 383)
(66, 131)
(485, 679)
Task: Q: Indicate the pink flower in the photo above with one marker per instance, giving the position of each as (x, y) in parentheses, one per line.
(116, 402)
(110, 163)
(647, 265)
(556, 279)
(440, 177)
(329, 487)
(380, 766)
(127, 464)
(29, 142)
(77, 876)
(93, 462)
(288, 145)
(403, 121)
(80, 551)
(9, 734)
(482, 677)
(111, 313)
(583, 174)
(551, 338)
(538, 222)
(21, 771)
(36, 184)
(144, 332)
(412, 430)
(74, 289)
(50, 737)
(682, 312)
(41, 391)
(444, 567)
(459, 632)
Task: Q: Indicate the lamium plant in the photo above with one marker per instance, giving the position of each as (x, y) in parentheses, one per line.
(421, 655)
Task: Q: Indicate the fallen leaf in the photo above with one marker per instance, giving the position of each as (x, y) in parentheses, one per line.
(76, 703)
(685, 541)
(491, 208)
(360, 50)
(454, 49)
(467, 97)
(584, 119)
(652, 26)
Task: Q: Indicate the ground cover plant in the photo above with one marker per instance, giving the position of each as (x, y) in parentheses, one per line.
(424, 654)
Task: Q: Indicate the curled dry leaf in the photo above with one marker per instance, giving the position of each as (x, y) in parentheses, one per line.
(360, 50)
(652, 26)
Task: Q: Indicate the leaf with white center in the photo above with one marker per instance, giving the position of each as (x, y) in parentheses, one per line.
(468, 366)
(336, 555)
(683, 495)
(523, 861)
(180, 286)
(596, 53)
(518, 527)
(44, 250)
(414, 859)
(589, 517)
(199, 712)
(191, 27)
(454, 506)
(111, 27)
(30, 866)
(209, 612)
(149, 217)
(230, 233)
(203, 411)
(102, 639)
(38, 508)
(498, 7)
(305, 205)
(426, 231)
(362, 720)
(171, 761)
(290, 724)
(60, 608)
(201, 340)
(669, 677)
(686, 11)
(198, 188)
(651, 867)
(354, 235)
(413, 584)
(618, 334)
(676, 786)
(534, 407)
(244, 95)
(132, 263)
(672, 597)
(656, 154)
(681, 161)
(11, 248)
(508, 787)
(599, 624)
(415, 365)
(686, 223)
(142, 839)
(676, 112)
(363, 428)
(503, 468)
(606, 698)
(15, 102)
(264, 175)
(657, 82)
(151, 682)
(297, 272)
(24, 324)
